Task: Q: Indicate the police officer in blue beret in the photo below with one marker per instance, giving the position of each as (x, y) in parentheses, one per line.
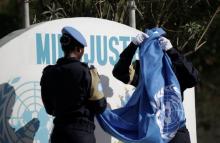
(129, 73)
(70, 93)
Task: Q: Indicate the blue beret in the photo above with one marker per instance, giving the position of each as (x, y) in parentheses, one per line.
(74, 34)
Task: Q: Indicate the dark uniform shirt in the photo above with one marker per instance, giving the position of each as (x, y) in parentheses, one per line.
(65, 91)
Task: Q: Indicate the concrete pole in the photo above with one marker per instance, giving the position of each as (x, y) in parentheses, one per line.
(132, 18)
(26, 14)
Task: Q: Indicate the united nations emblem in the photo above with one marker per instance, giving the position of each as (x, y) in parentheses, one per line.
(23, 118)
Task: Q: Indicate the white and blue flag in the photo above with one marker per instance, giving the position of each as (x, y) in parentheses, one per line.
(155, 111)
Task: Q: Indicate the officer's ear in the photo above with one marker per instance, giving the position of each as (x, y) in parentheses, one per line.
(80, 49)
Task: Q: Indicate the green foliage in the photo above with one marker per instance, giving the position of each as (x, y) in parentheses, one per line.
(185, 21)
(108, 9)
(192, 28)
(54, 12)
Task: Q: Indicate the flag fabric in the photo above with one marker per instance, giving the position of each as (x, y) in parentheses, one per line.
(154, 112)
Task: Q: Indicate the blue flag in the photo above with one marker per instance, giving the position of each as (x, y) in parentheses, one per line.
(154, 112)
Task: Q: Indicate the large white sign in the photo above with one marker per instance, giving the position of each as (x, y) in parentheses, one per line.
(25, 53)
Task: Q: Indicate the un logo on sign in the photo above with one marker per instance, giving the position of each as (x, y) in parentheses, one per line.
(22, 116)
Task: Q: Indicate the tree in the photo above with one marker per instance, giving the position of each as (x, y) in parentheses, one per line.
(53, 12)
(186, 21)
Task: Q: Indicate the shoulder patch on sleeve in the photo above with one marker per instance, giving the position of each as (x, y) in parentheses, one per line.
(96, 90)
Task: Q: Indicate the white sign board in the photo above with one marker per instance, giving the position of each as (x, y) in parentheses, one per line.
(24, 54)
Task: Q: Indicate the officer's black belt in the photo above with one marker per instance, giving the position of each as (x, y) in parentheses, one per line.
(80, 123)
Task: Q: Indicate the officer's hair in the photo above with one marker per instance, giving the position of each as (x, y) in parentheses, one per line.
(68, 43)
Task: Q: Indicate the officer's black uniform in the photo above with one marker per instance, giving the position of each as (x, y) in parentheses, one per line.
(186, 74)
(65, 91)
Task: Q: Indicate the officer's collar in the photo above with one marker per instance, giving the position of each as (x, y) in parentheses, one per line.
(65, 60)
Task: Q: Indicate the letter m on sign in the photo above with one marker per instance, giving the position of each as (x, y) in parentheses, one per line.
(43, 49)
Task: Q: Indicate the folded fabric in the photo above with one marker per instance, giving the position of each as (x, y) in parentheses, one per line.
(154, 112)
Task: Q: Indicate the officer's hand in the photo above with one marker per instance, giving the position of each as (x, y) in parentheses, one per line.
(165, 43)
(139, 38)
